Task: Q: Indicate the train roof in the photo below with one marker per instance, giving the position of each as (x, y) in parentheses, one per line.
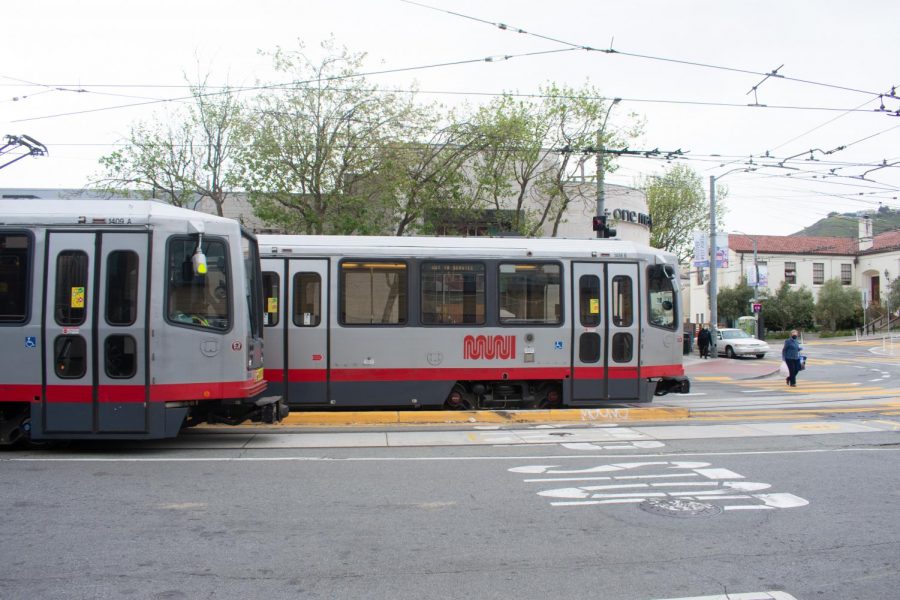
(100, 212)
(346, 245)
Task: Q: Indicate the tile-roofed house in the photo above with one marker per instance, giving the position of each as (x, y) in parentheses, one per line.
(868, 263)
(790, 244)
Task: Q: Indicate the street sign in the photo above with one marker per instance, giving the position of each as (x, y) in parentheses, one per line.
(757, 307)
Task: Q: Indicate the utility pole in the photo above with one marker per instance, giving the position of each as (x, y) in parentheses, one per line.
(601, 173)
(713, 291)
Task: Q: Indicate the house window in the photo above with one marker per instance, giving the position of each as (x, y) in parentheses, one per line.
(845, 274)
(790, 272)
(818, 273)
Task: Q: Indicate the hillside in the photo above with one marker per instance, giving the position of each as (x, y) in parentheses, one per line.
(847, 224)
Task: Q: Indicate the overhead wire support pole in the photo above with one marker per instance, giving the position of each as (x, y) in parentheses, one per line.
(601, 174)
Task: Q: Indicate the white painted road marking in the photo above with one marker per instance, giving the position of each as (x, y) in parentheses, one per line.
(745, 596)
(635, 492)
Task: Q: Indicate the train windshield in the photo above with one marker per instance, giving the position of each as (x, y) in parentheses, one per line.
(661, 297)
(199, 300)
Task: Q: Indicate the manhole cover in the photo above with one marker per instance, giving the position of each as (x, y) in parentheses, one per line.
(676, 507)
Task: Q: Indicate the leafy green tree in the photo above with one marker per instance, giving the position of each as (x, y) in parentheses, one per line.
(838, 305)
(894, 295)
(532, 147)
(424, 175)
(313, 152)
(732, 303)
(184, 157)
(678, 206)
(789, 308)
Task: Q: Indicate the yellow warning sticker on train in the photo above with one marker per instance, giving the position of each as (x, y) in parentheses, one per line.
(595, 306)
(272, 305)
(78, 297)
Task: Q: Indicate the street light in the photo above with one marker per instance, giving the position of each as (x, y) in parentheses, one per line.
(887, 281)
(713, 277)
(601, 192)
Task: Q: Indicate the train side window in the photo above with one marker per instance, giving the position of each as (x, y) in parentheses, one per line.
(121, 287)
(622, 347)
(661, 297)
(271, 283)
(589, 300)
(530, 293)
(373, 293)
(453, 293)
(307, 299)
(15, 263)
(120, 356)
(70, 352)
(71, 287)
(199, 300)
(622, 301)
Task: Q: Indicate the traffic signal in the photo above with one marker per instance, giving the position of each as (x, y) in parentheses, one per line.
(602, 229)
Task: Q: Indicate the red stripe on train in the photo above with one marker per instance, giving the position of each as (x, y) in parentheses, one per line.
(84, 394)
(20, 393)
(470, 374)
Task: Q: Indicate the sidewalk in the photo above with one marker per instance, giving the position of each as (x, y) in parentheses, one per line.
(736, 368)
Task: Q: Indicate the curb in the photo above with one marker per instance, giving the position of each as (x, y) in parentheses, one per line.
(441, 417)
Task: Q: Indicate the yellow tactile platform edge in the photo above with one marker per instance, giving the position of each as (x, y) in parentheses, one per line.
(440, 417)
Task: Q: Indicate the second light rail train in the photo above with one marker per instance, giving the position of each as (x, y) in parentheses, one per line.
(462, 323)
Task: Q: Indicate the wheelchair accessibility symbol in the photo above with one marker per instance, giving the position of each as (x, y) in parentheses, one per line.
(558, 345)
(31, 341)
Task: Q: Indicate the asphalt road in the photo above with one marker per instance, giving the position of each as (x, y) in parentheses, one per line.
(706, 510)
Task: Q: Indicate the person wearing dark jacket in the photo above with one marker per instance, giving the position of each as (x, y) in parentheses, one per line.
(704, 339)
(790, 354)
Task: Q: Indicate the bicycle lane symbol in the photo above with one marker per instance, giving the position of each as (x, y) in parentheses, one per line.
(678, 488)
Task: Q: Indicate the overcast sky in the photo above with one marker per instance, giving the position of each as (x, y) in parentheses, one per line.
(143, 46)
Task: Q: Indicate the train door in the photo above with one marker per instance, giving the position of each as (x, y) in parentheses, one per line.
(606, 329)
(622, 355)
(95, 333)
(307, 340)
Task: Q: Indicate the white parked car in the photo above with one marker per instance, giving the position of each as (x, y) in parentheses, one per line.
(737, 342)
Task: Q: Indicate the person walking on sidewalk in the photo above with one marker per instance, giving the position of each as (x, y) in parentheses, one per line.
(790, 354)
(704, 339)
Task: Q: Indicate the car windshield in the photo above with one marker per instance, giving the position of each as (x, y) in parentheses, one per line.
(734, 334)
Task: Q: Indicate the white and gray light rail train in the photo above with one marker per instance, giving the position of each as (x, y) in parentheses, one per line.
(469, 322)
(126, 319)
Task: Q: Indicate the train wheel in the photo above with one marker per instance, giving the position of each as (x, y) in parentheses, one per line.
(458, 399)
(552, 399)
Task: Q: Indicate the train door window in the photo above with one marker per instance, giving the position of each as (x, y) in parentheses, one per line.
(530, 293)
(453, 293)
(373, 293)
(271, 283)
(120, 353)
(589, 347)
(589, 300)
(71, 287)
(70, 352)
(622, 301)
(198, 299)
(622, 347)
(121, 287)
(15, 263)
(307, 299)
(661, 297)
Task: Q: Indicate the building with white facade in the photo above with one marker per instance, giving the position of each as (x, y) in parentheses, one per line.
(626, 206)
(867, 263)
